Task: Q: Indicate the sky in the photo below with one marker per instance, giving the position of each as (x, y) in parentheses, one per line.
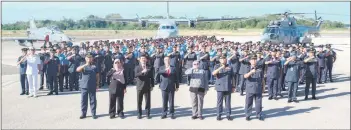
(23, 11)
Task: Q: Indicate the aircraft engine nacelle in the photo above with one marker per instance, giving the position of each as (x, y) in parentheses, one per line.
(143, 23)
(191, 23)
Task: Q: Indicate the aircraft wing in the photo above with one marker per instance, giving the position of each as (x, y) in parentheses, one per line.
(18, 38)
(217, 19)
(116, 20)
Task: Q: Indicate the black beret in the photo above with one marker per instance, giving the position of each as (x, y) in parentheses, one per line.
(130, 46)
(223, 56)
(52, 50)
(24, 49)
(89, 56)
(159, 47)
(274, 50)
(253, 56)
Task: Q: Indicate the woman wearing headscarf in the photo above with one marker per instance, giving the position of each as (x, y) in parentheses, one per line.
(117, 88)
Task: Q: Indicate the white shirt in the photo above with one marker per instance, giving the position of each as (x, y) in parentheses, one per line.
(32, 64)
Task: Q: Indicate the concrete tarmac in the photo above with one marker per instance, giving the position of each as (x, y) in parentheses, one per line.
(331, 111)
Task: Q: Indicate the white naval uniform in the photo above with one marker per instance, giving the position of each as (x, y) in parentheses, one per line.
(32, 73)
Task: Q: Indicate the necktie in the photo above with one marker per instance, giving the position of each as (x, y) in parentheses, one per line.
(168, 72)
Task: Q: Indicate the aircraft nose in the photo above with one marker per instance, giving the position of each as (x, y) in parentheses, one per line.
(165, 34)
(65, 38)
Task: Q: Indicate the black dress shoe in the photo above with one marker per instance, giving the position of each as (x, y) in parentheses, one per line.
(22, 93)
(275, 98)
(27, 93)
(95, 117)
(194, 117)
(241, 94)
(306, 98)
(229, 118)
(247, 118)
(121, 115)
(41, 88)
(112, 116)
(148, 116)
(219, 118)
(261, 118)
(201, 118)
(314, 98)
(82, 117)
(280, 95)
(295, 101)
(172, 116)
(56, 93)
(163, 116)
(61, 90)
(289, 101)
(270, 98)
(50, 93)
(139, 116)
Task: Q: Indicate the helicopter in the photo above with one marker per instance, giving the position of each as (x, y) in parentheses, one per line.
(287, 31)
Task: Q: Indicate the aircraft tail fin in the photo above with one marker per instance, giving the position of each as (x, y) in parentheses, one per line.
(319, 22)
(167, 10)
(32, 24)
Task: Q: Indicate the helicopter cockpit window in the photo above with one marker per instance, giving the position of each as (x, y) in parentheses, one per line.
(271, 30)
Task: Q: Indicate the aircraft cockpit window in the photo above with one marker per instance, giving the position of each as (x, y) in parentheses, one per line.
(167, 27)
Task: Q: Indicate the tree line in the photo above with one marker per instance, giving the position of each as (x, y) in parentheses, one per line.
(84, 24)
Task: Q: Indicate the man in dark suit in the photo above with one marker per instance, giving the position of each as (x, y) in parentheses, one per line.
(253, 89)
(169, 84)
(224, 75)
(145, 83)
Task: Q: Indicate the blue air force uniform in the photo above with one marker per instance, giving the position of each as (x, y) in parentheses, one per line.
(75, 61)
(254, 92)
(311, 76)
(292, 77)
(330, 58)
(87, 84)
(244, 68)
(224, 87)
(321, 58)
(52, 71)
(273, 70)
(23, 77)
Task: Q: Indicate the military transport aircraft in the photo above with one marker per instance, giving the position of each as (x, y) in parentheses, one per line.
(49, 34)
(167, 27)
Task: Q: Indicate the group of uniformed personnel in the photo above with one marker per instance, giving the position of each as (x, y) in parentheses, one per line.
(229, 66)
